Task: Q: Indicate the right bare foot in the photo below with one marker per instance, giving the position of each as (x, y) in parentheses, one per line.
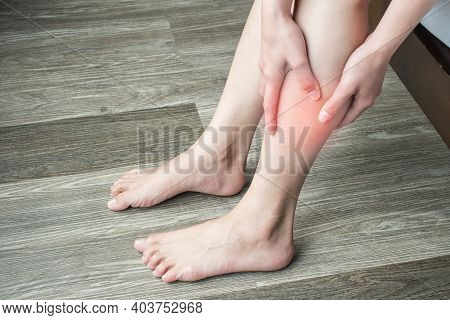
(255, 236)
(193, 170)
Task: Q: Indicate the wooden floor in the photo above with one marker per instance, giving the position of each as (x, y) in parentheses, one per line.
(77, 80)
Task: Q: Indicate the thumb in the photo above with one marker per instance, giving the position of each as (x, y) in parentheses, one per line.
(271, 96)
(308, 81)
(334, 103)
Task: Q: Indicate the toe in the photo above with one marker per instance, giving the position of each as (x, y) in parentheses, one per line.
(154, 238)
(189, 274)
(141, 244)
(154, 261)
(149, 252)
(160, 269)
(151, 249)
(118, 188)
(170, 276)
(125, 179)
(145, 259)
(120, 202)
(117, 182)
(130, 176)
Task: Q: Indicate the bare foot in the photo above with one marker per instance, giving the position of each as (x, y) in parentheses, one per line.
(247, 239)
(193, 170)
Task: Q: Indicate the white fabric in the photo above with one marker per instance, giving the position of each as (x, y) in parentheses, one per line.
(437, 21)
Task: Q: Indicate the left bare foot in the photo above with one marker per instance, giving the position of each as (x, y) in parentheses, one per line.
(145, 189)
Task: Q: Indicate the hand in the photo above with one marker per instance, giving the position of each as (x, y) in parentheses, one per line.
(283, 50)
(361, 82)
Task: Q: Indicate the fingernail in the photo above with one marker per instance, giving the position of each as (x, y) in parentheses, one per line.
(324, 116)
(315, 95)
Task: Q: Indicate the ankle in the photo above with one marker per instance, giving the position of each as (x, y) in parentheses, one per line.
(214, 173)
(218, 157)
(225, 144)
(266, 217)
(270, 235)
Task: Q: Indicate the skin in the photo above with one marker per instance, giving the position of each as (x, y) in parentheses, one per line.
(257, 234)
(365, 69)
(282, 52)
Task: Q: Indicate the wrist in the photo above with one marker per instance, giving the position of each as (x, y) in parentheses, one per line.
(382, 51)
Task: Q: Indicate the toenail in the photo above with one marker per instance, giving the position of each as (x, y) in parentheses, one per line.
(112, 201)
(140, 242)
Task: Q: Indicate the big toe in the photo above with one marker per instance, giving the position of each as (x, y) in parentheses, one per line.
(117, 188)
(119, 202)
(141, 244)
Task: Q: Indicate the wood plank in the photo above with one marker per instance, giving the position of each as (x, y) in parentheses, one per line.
(92, 143)
(376, 197)
(362, 207)
(62, 65)
(423, 279)
(207, 37)
(77, 247)
(212, 34)
(115, 57)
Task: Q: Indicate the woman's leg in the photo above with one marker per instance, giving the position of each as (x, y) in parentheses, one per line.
(222, 148)
(257, 234)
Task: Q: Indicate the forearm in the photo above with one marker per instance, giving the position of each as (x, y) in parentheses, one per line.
(400, 19)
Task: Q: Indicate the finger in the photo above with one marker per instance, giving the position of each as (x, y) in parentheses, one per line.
(337, 101)
(356, 109)
(308, 81)
(271, 96)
